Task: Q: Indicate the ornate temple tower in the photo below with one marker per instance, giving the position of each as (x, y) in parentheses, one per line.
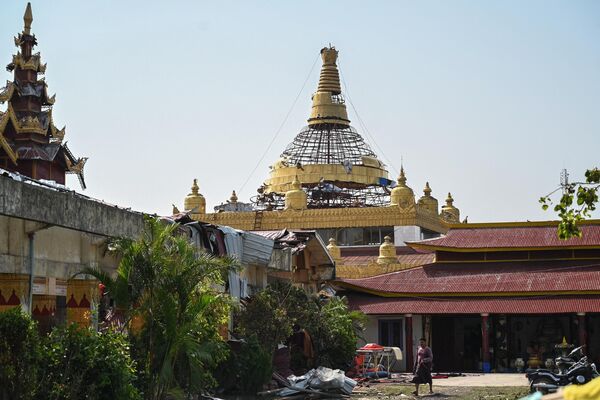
(30, 143)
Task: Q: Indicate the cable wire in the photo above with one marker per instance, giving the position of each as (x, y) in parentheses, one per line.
(280, 126)
(362, 124)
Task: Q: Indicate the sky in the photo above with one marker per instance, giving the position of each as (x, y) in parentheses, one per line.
(489, 100)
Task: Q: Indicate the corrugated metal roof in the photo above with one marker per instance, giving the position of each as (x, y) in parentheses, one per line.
(512, 237)
(530, 305)
(257, 249)
(532, 276)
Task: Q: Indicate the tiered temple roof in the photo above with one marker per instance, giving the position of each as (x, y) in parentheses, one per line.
(30, 143)
(491, 268)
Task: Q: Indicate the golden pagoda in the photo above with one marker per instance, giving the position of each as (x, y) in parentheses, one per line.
(328, 179)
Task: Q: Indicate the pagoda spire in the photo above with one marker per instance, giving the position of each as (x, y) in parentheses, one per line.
(328, 103)
(30, 143)
(28, 19)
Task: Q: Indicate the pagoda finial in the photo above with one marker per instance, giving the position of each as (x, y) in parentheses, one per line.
(28, 19)
(449, 199)
(233, 198)
(402, 177)
(195, 188)
(427, 189)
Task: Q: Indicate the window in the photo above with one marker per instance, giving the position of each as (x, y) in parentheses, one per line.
(371, 236)
(390, 333)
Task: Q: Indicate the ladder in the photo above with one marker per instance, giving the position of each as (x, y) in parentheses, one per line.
(258, 216)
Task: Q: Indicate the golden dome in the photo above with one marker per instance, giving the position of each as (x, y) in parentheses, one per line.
(427, 202)
(335, 251)
(449, 212)
(295, 199)
(194, 201)
(387, 252)
(402, 195)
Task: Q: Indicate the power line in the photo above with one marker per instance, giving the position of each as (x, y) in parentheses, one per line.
(362, 124)
(280, 126)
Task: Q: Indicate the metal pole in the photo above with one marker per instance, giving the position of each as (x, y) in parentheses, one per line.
(31, 236)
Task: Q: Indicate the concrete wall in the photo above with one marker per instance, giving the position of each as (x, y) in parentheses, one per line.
(406, 234)
(66, 209)
(58, 252)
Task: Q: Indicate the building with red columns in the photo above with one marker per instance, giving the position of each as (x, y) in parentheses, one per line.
(494, 293)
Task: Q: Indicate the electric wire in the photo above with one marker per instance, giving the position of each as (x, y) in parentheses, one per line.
(280, 126)
(362, 124)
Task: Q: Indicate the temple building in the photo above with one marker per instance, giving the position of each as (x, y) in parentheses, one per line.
(30, 143)
(490, 297)
(48, 233)
(328, 180)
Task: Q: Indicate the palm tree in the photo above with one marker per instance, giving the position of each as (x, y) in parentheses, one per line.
(172, 289)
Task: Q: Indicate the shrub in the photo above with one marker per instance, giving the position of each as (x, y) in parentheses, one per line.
(335, 333)
(334, 329)
(20, 354)
(82, 363)
(247, 369)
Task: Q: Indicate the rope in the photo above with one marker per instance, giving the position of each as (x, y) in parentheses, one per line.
(280, 126)
(362, 124)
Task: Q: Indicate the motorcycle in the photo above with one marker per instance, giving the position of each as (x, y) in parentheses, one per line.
(578, 373)
(564, 363)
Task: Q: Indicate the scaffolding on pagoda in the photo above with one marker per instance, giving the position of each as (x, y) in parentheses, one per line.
(334, 165)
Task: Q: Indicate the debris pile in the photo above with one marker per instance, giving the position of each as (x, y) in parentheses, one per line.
(317, 383)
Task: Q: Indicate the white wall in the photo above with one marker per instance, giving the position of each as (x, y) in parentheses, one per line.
(371, 334)
(406, 234)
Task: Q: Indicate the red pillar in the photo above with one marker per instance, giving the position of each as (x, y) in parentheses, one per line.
(485, 343)
(409, 342)
(581, 330)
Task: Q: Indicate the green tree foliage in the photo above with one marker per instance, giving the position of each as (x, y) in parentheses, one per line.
(70, 364)
(80, 363)
(20, 355)
(577, 202)
(334, 329)
(246, 369)
(172, 288)
(336, 332)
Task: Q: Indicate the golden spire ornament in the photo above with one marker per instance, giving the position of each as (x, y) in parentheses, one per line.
(28, 19)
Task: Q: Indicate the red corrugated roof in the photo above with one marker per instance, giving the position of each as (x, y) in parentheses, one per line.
(532, 276)
(512, 237)
(532, 305)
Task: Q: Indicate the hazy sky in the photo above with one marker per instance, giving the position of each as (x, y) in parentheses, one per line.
(486, 99)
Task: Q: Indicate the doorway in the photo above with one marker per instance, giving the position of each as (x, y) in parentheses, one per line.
(456, 343)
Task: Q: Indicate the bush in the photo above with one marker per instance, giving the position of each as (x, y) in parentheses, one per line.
(20, 354)
(335, 334)
(245, 370)
(334, 329)
(82, 363)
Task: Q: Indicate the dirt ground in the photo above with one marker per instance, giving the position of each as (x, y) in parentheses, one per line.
(404, 392)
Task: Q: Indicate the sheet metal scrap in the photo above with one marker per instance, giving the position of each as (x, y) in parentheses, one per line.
(320, 382)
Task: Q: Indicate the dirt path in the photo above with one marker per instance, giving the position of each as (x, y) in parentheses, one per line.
(404, 392)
